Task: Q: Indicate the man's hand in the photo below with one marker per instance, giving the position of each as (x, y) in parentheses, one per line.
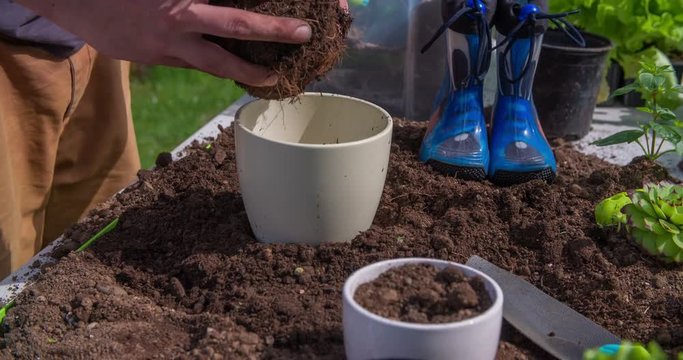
(169, 32)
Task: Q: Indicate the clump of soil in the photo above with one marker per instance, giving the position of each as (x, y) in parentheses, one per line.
(184, 260)
(420, 293)
(296, 64)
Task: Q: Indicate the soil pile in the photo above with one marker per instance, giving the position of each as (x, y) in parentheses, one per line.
(297, 64)
(423, 294)
(183, 260)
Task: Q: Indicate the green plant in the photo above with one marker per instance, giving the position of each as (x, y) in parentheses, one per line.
(653, 217)
(4, 309)
(633, 26)
(664, 127)
(608, 212)
(627, 351)
(643, 30)
(107, 229)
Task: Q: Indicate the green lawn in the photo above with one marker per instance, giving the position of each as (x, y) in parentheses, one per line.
(171, 104)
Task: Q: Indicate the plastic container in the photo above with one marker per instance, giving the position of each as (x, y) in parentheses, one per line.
(370, 336)
(567, 83)
(383, 63)
(312, 169)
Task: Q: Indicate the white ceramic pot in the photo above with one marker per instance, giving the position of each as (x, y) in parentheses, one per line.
(370, 336)
(312, 169)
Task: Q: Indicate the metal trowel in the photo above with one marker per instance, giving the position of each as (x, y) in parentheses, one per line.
(550, 324)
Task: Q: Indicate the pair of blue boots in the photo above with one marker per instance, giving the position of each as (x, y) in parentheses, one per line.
(457, 141)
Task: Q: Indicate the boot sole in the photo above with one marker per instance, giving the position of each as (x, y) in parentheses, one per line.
(460, 172)
(507, 178)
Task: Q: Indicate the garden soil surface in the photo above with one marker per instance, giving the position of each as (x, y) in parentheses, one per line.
(182, 275)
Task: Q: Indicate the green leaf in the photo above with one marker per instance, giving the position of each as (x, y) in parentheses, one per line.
(654, 226)
(668, 210)
(678, 239)
(679, 148)
(659, 81)
(645, 109)
(647, 81)
(658, 210)
(645, 207)
(626, 136)
(608, 211)
(111, 226)
(4, 309)
(667, 133)
(671, 249)
(669, 227)
(666, 114)
(625, 90)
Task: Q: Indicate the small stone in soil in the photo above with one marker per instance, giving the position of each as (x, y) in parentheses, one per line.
(177, 288)
(659, 281)
(220, 156)
(164, 159)
(104, 288)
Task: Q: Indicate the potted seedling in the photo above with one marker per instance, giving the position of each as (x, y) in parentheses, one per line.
(653, 217)
(311, 169)
(664, 127)
(417, 308)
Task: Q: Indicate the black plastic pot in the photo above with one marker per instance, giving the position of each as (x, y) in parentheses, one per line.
(678, 68)
(632, 99)
(567, 83)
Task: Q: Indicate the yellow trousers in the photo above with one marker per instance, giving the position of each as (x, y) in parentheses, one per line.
(67, 143)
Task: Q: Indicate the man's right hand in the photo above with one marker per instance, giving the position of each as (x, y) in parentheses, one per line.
(169, 32)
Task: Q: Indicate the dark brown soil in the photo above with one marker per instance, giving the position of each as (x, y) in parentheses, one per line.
(183, 260)
(297, 65)
(422, 294)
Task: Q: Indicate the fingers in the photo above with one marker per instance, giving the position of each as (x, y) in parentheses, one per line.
(211, 58)
(344, 4)
(244, 25)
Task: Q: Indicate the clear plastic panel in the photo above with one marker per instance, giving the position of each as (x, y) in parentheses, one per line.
(383, 63)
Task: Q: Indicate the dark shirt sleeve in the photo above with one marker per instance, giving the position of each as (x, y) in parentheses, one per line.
(19, 24)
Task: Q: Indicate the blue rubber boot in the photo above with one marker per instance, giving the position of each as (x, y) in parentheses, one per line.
(519, 149)
(456, 140)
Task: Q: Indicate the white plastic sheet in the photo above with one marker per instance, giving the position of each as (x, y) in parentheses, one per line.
(383, 63)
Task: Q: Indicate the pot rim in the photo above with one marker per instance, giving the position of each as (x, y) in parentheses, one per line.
(493, 311)
(385, 115)
(597, 49)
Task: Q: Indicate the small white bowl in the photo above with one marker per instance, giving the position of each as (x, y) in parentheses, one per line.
(369, 336)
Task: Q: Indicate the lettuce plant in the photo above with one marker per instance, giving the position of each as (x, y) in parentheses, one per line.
(633, 26)
(641, 30)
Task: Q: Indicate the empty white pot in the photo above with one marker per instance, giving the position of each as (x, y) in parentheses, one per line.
(370, 336)
(312, 169)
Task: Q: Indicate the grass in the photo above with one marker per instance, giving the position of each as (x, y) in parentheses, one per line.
(171, 104)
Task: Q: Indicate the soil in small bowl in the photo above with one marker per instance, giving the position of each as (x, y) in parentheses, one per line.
(420, 293)
(297, 64)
